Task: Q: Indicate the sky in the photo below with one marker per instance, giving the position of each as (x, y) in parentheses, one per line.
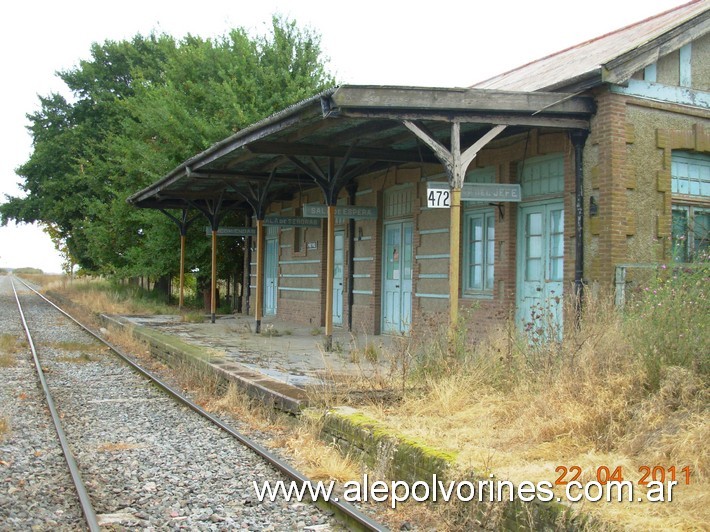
(446, 43)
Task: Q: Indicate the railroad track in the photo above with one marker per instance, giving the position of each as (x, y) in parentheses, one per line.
(136, 452)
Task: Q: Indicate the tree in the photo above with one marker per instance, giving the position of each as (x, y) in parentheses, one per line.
(139, 109)
(64, 172)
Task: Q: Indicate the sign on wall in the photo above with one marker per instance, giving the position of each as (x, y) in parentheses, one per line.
(291, 221)
(439, 194)
(341, 211)
(232, 231)
(490, 192)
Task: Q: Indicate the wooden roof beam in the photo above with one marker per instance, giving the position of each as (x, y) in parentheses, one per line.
(539, 120)
(315, 150)
(230, 176)
(456, 100)
(454, 159)
(360, 131)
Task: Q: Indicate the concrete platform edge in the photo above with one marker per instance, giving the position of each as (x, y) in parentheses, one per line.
(369, 441)
(171, 350)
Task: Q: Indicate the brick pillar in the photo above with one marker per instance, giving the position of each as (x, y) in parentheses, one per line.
(610, 135)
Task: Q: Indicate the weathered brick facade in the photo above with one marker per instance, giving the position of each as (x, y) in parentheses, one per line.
(627, 211)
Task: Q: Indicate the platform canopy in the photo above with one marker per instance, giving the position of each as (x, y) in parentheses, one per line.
(363, 128)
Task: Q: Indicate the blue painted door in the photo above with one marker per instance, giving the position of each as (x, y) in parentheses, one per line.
(540, 270)
(397, 278)
(338, 261)
(271, 275)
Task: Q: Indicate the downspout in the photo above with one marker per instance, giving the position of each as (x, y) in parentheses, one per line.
(246, 290)
(578, 138)
(351, 257)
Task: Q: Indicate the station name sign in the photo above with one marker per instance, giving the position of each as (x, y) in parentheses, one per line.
(232, 231)
(291, 221)
(490, 192)
(439, 194)
(341, 211)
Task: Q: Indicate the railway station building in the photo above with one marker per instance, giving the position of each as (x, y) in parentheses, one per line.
(375, 207)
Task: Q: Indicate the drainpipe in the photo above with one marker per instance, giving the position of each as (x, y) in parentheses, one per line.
(246, 290)
(578, 138)
(259, 303)
(351, 257)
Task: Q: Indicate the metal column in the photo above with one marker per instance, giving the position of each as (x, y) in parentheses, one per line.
(181, 300)
(213, 284)
(330, 264)
(259, 304)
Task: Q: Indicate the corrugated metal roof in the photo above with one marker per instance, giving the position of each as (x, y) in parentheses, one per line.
(587, 58)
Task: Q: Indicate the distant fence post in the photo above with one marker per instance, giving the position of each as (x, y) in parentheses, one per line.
(620, 286)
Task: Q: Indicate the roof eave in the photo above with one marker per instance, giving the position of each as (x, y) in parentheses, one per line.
(260, 129)
(531, 109)
(620, 69)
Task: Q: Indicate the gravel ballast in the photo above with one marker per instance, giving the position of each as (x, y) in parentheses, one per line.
(147, 461)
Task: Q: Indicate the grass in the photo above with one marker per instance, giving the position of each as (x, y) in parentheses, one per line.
(369, 353)
(4, 427)
(9, 345)
(108, 296)
(270, 331)
(77, 352)
(627, 390)
(81, 358)
(310, 455)
(192, 317)
(319, 460)
(77, 346)
(624, 389)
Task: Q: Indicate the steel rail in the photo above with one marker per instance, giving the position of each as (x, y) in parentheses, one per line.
(84, 500)
(345, 509)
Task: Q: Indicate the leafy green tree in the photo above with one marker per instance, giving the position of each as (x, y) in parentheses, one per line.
(70, 141)
(139, 108)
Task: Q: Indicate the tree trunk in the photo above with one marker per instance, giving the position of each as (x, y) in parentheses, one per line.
(162, 287)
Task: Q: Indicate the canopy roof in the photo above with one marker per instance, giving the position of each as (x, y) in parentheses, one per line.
(359, 128)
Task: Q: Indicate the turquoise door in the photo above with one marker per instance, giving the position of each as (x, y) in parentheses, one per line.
(540, 270)
(397, 278)
(338, 259)
(270, 275)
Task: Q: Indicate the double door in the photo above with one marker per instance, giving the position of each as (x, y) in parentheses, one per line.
(397, 278)
(338, 269)
(540, 270)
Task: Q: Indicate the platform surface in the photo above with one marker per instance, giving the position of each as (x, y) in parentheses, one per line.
(288, 352)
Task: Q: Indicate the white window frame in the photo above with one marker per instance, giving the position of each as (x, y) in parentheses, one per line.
(487, 259)
(688, 239)
(690, 188)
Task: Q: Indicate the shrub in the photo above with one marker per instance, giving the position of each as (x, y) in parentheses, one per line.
(669, 323)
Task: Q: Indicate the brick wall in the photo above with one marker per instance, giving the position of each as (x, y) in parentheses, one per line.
(627, 171)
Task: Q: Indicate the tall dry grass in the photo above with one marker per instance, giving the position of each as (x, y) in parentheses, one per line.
(298, 439)
(622, 389)
(102, 295)
(4, 427)
(10, 344)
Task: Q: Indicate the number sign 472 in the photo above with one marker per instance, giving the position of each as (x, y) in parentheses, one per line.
(438, 198)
